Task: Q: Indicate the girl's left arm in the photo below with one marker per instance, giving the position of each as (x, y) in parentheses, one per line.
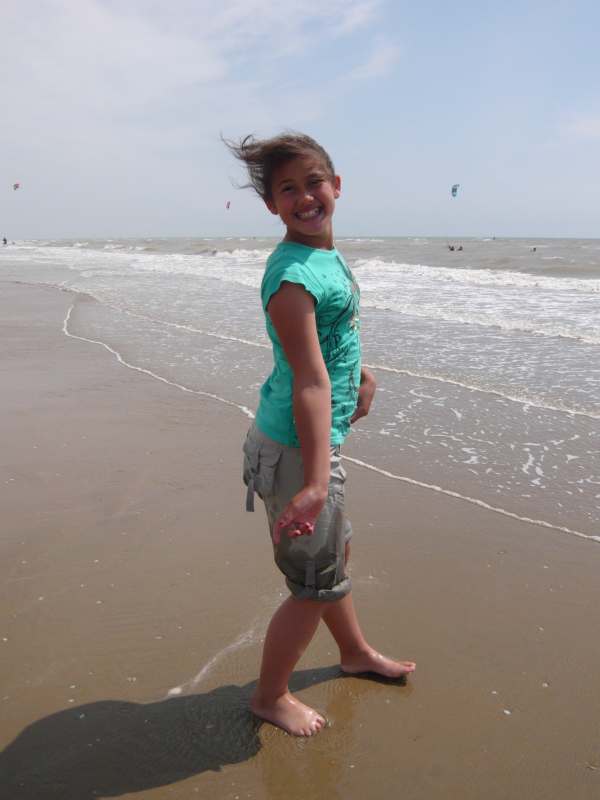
(366, 393)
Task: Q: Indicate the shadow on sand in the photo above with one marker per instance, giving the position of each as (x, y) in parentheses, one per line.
(113, 747)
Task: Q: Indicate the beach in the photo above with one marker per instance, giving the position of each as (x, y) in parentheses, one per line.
(136, 591)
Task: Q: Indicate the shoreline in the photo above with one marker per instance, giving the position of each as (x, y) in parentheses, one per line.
(525, 517)
(130, 569)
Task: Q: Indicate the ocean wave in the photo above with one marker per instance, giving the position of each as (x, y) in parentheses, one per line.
(489, 320)
(372, 271)
(525, 398)
(359, 240)
(252, 634)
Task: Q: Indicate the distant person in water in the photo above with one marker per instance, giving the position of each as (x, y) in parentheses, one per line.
(534, 249)
(4, 240)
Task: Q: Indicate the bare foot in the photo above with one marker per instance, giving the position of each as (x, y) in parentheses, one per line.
(290, 714)
(372, 661)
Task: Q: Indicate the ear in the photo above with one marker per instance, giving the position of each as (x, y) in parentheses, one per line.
(272, 207)
(337, 186)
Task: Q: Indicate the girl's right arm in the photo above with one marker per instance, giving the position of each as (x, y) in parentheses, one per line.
(292, 312)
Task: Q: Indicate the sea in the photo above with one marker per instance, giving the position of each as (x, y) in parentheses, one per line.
(487, 358)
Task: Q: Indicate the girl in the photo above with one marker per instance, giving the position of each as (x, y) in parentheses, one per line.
(315, 391)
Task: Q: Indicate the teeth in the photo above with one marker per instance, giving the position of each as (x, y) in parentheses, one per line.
(309, 214)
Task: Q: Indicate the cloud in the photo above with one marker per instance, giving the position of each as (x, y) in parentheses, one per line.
(380, 62)
(95, 74)
(583, 127)
(357, 15)
(97, 55)
(116, 107)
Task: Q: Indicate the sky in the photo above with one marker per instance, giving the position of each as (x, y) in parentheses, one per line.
(113, 112)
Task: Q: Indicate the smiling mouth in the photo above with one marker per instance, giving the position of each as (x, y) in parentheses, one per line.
(308, 215)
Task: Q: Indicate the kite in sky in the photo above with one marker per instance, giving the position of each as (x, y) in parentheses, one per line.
(16, 186)
(228, 204)
(454, 190)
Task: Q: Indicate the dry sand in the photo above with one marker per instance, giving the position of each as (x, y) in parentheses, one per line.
(128, 569)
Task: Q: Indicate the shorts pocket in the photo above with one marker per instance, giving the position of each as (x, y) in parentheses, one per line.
(337, 475)
(260, 465)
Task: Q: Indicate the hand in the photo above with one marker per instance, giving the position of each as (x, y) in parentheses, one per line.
(300, 514)
(366, 393)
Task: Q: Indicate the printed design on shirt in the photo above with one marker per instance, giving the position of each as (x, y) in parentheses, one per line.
(334, 350)
(352, 384)
(355, 319)
(349, 314)
(354, 326)
(334, 337)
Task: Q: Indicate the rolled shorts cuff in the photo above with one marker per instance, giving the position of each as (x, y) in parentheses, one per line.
(301, 592)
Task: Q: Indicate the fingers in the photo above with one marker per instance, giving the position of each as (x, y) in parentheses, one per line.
(301, 529)
(360, 412)
(364, 400)
(296, 528)
(283, 521)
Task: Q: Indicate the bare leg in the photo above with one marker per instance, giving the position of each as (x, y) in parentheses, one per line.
(289, 633)
(356, 655)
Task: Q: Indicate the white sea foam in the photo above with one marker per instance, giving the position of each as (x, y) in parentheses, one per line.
(525, 400)
(191, 328)
(358, 462)
(447, 327)
(510, 301)
(245, 639)
(373, 270)
(244, 409)
(473, 500)
(587, 333)
(374, 273)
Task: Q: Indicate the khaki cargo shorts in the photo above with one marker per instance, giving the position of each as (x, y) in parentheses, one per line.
(314, 566)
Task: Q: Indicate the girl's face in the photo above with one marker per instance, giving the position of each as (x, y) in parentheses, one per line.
(303, 195)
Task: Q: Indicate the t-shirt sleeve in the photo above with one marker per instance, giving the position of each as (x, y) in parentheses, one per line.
(282, 270)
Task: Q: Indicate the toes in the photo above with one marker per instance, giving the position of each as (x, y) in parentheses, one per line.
(315, 725)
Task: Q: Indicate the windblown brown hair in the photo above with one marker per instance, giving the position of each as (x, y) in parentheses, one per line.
(263, 156)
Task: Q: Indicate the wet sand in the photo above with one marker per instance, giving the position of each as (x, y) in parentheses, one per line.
(128, 570)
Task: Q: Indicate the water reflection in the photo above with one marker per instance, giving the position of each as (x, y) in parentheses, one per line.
(112, 747)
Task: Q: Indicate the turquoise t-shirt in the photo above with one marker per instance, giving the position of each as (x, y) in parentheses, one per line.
(325, 275)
